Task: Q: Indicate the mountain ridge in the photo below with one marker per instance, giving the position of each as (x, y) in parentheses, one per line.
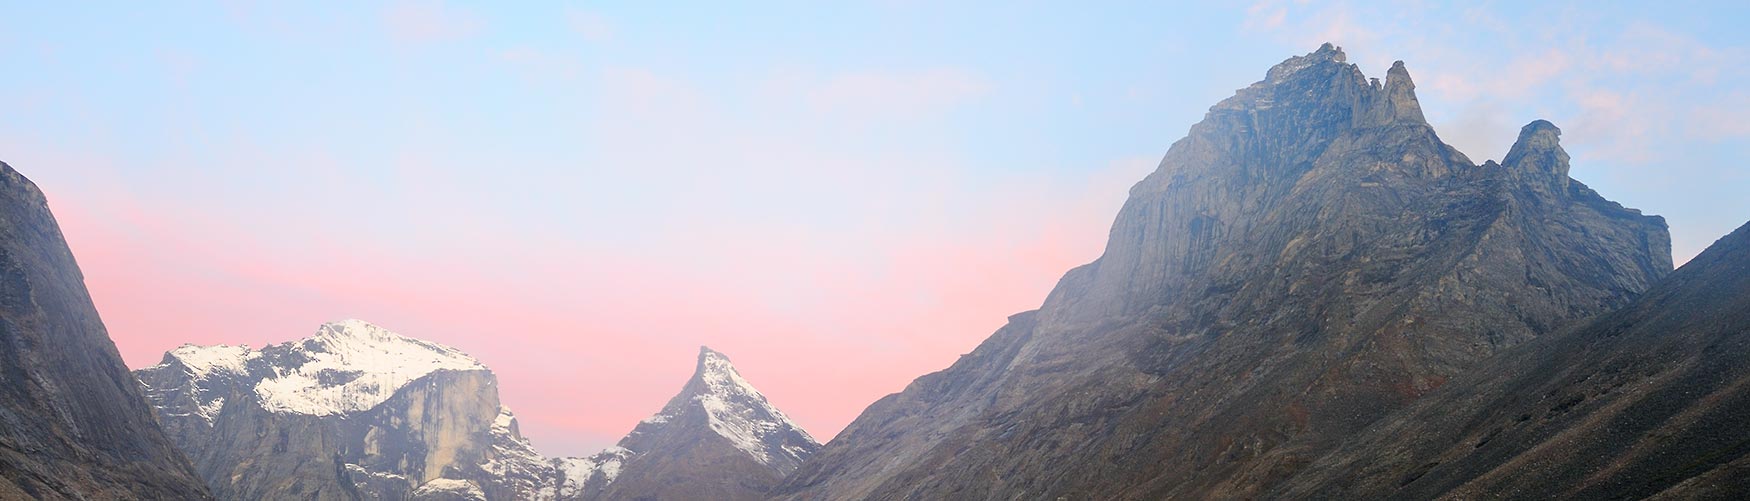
(1308, 258)
(382, 415)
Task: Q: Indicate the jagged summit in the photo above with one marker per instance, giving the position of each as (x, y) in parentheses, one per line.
(717, 419)
(347, 366)
(735, 410)
(1401, 94)
(1326, 53)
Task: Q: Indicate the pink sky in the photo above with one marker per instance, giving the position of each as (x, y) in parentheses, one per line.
(589, 339)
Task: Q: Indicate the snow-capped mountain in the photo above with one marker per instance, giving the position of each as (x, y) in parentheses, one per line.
(354, 412)
(359, 412)
(718, 439)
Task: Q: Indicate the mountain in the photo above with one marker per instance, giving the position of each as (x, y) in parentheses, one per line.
(359, 412)
(718, 439)
(353, 412)
(1309, 259)
(1648, 401)
(73, 424)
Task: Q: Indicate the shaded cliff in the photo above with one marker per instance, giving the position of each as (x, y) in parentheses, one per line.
(1308, 259)
(1649, 400)
(73, 424)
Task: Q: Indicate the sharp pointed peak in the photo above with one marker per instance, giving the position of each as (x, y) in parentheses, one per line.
(1400, 92)
(713, 364)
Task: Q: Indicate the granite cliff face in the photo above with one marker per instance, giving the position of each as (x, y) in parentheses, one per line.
(1647, 401)
(718, 439)
(73, 424)
(354, 412)
(1309, 259)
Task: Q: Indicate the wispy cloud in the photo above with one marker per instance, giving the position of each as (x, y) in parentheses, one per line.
(590, 25)
(429, 21)
(885, 94)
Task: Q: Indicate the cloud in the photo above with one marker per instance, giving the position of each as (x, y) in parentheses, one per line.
(1722, 119)
(897, 93)
(591, 26)
(429, 21)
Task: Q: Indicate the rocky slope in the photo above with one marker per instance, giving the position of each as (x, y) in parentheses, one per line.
(1647, 401)
(354, 412)
(1309, 259)
(73, 424)
(718, 439)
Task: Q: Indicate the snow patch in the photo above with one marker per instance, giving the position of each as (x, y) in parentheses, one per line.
(738, 412)
(202, 362)
(352, 366)
(577, 472)
(450, 486)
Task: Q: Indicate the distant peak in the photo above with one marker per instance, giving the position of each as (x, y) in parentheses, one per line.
(353, 327)
(356, 347)
(714, 366)
(706, 351)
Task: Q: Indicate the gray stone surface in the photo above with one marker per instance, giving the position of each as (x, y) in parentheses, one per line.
(1651, 400)
(73, 424)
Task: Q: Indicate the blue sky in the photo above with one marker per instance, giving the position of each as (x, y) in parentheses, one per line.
(612, 184)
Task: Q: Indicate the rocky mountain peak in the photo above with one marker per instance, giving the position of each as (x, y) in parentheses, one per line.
(732, 408)
(719, 419)
(1401, 95)
(1308, 258)
(1326, 53)
(1537, 157)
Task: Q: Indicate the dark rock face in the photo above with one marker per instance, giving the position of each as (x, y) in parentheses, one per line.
(355, 412)
(718, 439)
(73, 424)
(1648, 401)
(1310, 258)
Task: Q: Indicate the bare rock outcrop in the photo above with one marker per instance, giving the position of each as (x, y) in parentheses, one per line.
(73, 423)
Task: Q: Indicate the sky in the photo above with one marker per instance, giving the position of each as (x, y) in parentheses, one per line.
(840, 196)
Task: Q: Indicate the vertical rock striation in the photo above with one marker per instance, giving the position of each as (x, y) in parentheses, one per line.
(73, 424)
